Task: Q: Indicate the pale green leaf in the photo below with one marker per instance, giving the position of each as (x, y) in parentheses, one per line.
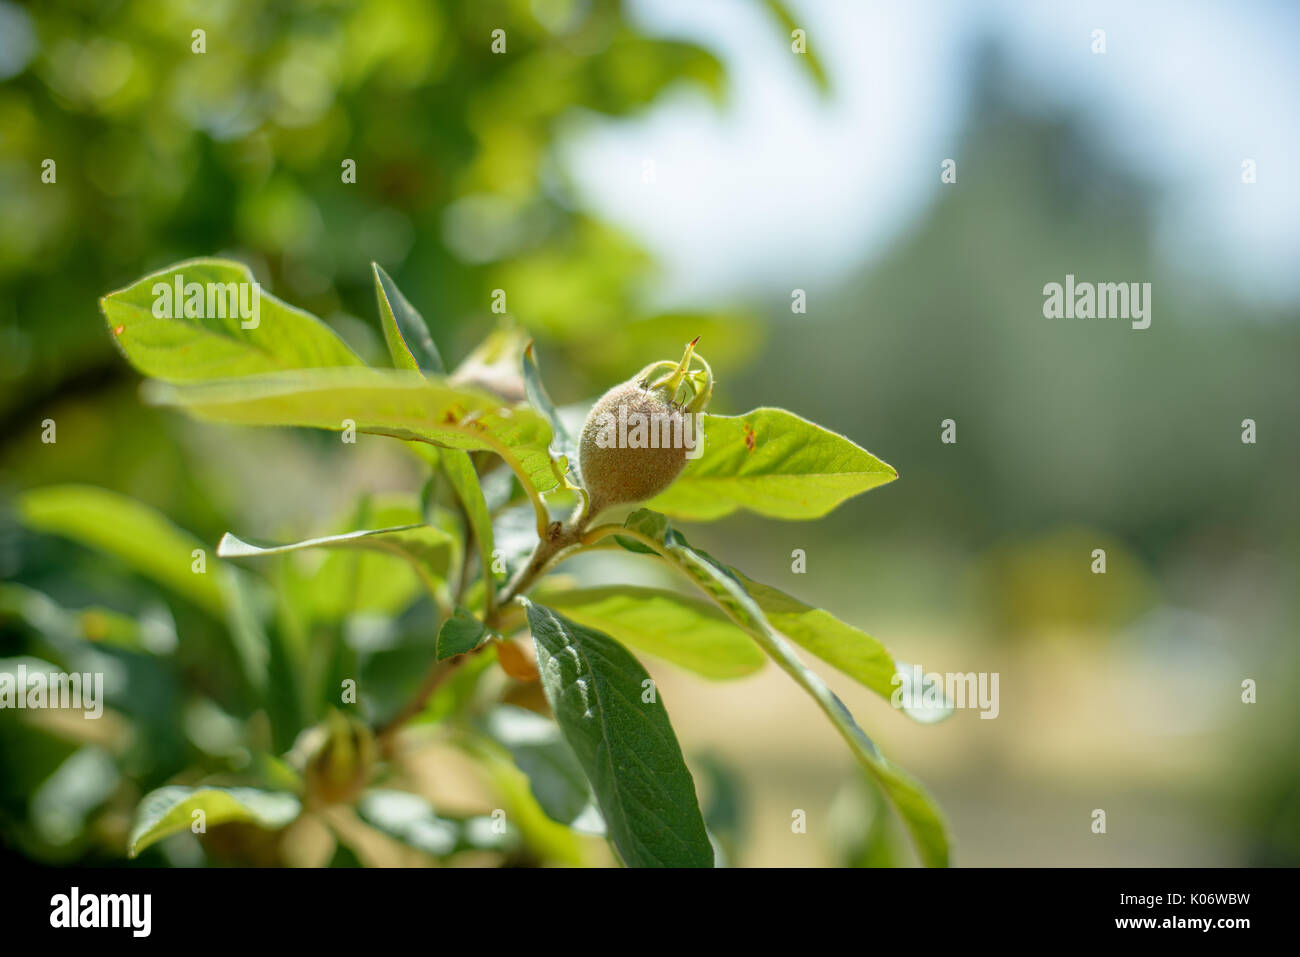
(402, 404)
(772, 462)
(808, 57)
(690, 633)
(101, 626)
(428, 549)
(139, 535)
(460, 472)
(354, 580)
(216, 344)
(848, 649)
(170, 809)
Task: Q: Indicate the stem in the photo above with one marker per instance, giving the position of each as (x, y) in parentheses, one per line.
(557, 540)
(434, 680)
(534, 496)
(560, 538)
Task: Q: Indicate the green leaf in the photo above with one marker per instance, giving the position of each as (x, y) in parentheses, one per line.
(690, 633)
(460, 633)
(152, 546)
(848, 649)
(460, 472)
(405, 331)
(167, 810)
(772, 462)
(625, 745)
(561, 442)
(919, 813)
(216, 345)
(137, 534)
(100, 626)
(554, 774)
(370, 581)
(401, 404)
(428, 549)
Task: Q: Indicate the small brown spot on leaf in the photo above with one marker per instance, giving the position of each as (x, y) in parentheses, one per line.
(749, 437)
(119, 330)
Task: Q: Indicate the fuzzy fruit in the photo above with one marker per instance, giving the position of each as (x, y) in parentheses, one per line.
(639, 435)
(614, 473)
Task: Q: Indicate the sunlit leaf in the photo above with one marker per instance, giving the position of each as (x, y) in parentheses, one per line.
(170, 809)
(808, 57)
(405, 331)
(428, 549)
(460, 472)
(848, 649)
(219, 343)
(402, 404)
(772, 462)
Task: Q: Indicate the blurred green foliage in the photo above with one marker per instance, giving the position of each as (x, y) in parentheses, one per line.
(162, 153)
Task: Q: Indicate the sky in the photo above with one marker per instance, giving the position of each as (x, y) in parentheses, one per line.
(780, 187)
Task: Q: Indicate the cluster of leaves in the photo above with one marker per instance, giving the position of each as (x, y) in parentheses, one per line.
(609, 762)
(172, 152)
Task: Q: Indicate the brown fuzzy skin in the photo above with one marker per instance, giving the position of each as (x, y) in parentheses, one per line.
(622, 476)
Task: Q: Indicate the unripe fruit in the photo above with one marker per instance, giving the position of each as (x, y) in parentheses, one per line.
(618, 475)
(638, 436)
(340, 756)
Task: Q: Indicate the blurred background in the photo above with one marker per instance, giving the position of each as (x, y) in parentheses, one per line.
(634, 174)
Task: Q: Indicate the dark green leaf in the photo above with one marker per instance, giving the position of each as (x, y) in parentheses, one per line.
(611, 716)
(460, 633)
(554, 775)
(561, 442)
(688, 632)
